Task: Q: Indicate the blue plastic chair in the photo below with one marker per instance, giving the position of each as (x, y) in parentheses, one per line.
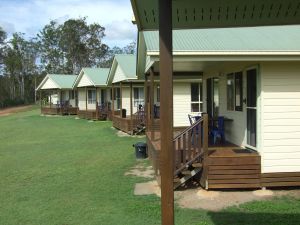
(219, 131)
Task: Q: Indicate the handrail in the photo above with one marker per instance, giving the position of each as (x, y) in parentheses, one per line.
(190, 145)
(190, 127)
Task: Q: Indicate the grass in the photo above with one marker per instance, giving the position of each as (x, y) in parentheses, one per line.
(62, 171)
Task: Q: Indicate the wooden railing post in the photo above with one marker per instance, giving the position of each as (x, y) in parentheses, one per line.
(205, 135)
(203, 180)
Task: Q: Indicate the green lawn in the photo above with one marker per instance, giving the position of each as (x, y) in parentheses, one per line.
(62, 171)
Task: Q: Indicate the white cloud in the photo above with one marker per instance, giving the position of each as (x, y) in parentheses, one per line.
(30, 16)
(8, 27)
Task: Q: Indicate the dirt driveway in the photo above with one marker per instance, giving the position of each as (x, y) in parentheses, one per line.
(8, 111)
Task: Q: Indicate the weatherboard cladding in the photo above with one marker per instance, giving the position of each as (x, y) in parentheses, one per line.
(275, 38)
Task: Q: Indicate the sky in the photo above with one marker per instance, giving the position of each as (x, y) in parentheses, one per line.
(30, 16)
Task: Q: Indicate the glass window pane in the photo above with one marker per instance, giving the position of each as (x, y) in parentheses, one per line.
(239, 91)
(195, 92)
(135, 93)
(215, 97)
(230, 92)
(201, 89)
(195, 107)
(251, 88)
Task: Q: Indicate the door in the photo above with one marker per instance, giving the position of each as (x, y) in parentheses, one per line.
(251, 107)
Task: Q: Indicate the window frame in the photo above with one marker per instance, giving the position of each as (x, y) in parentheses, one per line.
(140, 97)
(91, 96)
(71, 95)
(199, 96)
(233, 104)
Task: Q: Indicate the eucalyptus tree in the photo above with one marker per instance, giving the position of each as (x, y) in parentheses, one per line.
(20, 57)
(68, 47)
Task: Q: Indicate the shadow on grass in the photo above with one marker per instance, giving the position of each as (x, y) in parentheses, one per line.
(240, 218)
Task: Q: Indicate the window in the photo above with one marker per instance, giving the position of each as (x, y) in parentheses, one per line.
(91, 97)
(239, 91)
(103, 96)
(138, 96)
(230, 92)
(235, 91)
(196, 97)
(158, 94)
(117, 97)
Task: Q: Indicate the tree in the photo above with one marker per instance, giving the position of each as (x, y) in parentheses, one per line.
(20, 61)
(52, 56)
(68, 47)
(109, 56)
(130, 48)
(2, 46)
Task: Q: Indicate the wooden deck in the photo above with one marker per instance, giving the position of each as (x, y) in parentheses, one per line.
(232, 167)
(92, 115)
(123, 124)
(59, 111)
(227, 166)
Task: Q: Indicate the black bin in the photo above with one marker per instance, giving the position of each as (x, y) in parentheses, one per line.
(140, 150)
(123, 113)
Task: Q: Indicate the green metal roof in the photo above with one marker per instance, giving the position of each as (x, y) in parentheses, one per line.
(274, 38)
(194, 14)
(97, 75)
(127, 62)
(64, 81)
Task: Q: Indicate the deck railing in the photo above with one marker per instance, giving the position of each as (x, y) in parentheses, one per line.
(191, 144)
(139, 117)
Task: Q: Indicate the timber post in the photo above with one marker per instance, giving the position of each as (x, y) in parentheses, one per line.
(151, 103)
(41, 103)
(60, 102)
(146, 102)
(50, 99)
(121, 90)
(113, 99)
(131, 108)
(86, 99)
(166, 111)
(203, 180)
(97, 110)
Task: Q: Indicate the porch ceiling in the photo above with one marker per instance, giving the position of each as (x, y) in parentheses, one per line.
(218, 13)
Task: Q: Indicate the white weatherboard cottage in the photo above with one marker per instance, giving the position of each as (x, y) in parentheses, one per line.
(123, 70)
(251, 76)
(60, 93)
(128, 92)
(93, 92)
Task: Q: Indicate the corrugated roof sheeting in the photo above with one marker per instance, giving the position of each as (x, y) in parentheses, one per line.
(275, 38)
(97, 75)
(127, 62)
(63, 80)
